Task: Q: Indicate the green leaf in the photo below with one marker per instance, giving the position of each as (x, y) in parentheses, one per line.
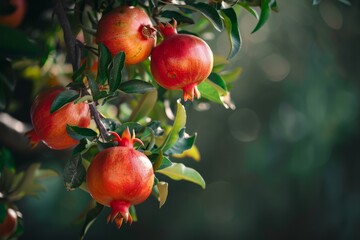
(136, 86)
(79, 133)
(180, 18)
(264, 15)
(249, 9)
(63, 98)
(179, 171)
(115, 72)
(78, 75)
(104, 62)
(209, 12)
(3, 212)
(14, 43)
(232, 28)
(275, 7)
(7, 160)
(91, 215)
(183, 143)
(218, 83)
(74, 173)
(93, 87)
(179, 123)
(163, 188)
(145, 105)
(209, 92)
(7, 74)
(133, 214)
(231, 76)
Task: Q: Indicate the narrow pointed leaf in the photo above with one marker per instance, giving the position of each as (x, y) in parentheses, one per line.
(78, 75)
(264, 15)
(79, 133)
(179, 123)
(91, 216)
(163, 192)
(180, 18)
(179, 171)
(136, 86)
(232, 28)
(184, 143)
(63, 98)
(104, 62)
(115, 71)
(145, 105)
(217, 82)
(209, 12)
(249, 9)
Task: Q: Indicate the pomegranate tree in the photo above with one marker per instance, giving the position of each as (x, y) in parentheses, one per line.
(50, 128)
(181, 61)
(128, 29)
(119, 177)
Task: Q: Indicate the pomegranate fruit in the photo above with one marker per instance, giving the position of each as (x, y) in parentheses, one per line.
(128, 29)
(181, 61)
(8, 226)
(15, 18)
(119, 177)
(50, 128)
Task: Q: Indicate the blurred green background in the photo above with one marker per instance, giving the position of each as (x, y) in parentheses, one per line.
(283, 165)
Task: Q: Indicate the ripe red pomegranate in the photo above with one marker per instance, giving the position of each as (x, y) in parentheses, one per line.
(51, 127)
(8, 226)
(181, 61)
(128, 29)
(15, 18)
(119, 177)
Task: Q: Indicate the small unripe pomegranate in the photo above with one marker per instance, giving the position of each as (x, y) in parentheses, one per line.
(15, 18)
(50, 128)
(119, 177)
(128, 29)
(181, 61)
(8, 226)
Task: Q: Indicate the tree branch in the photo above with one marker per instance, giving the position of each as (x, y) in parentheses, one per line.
(74, 54)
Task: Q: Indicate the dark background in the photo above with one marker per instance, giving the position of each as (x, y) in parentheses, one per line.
(284, 165)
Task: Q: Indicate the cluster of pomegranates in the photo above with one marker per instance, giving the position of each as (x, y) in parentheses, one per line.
(179, 62)
(121, 176)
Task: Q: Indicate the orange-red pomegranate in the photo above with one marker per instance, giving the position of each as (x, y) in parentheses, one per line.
(50, 128)
(15, 18)
(181, 61)
(8, 226)
(119, 177)
(128, 29)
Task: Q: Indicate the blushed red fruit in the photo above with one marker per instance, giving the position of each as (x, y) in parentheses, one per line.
(128, 29)
(119, 177)
(8, 226)
(181, 61)
(50, 128)
(15, 18)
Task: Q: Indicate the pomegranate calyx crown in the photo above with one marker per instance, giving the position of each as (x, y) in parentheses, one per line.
(33, 138)
(167, 29)
(119, 213)
(126, 139)
(148, 32)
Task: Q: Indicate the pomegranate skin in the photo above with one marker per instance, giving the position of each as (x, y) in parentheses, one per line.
(8, 226)
(50, 128)
(120, 173)
(14, 19)
(181, 61)
(119, 177)
(128, 29)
